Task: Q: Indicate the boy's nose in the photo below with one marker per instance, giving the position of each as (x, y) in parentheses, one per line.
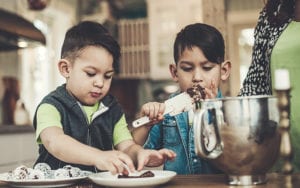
(98, 82)
(197, 76)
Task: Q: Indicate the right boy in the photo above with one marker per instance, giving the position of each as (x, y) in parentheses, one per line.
(199, 60)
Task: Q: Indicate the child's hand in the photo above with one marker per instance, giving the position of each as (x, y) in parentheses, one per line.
(212, 91)
(154, 158)
(114, 161)
(154, 110)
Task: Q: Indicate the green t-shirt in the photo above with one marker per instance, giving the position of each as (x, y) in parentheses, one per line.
(48, 115)
(286, 54)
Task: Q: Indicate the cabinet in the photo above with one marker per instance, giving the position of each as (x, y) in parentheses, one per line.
(147, 43)
(165, 19)
(17, 149)
(150, 57)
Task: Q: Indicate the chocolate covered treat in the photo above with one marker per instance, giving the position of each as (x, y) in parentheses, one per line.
(20, 173)
(146, 174)
(73, 171)
(196, 92)
(42, 171)
(45, 168)
(35, 174)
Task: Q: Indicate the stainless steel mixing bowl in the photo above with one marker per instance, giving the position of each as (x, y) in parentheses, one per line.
(239, 135)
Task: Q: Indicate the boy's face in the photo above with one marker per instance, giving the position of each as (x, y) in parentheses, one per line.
(193, 68)
(89, 78)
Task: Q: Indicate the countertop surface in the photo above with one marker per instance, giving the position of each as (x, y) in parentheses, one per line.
(217, 181)
(16, 129)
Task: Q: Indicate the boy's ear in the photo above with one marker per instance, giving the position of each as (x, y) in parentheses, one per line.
(173, 71)
(225, 70)
(64, 67)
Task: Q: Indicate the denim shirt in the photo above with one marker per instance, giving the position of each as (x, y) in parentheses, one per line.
(175, 133)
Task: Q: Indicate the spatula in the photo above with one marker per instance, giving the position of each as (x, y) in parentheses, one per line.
(175, 105)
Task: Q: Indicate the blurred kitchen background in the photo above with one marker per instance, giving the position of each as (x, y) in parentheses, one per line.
(32, 32)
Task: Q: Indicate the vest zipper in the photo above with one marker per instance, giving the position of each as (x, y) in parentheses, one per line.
(89, 135)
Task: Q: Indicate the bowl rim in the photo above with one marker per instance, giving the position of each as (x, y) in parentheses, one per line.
(241, 98)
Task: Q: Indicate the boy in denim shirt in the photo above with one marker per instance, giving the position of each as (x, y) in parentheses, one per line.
(199, 60)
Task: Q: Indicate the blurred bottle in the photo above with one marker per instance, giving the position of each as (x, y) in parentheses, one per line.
(37, 4)
(10, 98)
(21, 115)
(2, 88)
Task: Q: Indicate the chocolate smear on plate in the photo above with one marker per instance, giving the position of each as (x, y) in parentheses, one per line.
(146, 174)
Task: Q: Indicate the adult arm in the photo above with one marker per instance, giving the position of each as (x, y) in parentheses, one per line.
(258, 79)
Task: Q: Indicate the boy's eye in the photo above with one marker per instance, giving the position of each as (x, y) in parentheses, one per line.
(108, 76)
(207, 68)
(89, 74)
(187, 69)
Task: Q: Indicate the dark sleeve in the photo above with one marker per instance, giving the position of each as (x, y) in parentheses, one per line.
(258, 79)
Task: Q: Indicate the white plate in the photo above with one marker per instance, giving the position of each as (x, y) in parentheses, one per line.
(40, 183)
(107, 179)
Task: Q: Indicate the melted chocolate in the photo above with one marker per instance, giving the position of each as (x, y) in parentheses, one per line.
(196, 92)
(146, 174)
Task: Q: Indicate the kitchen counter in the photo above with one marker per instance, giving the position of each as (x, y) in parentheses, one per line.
(18, 146)
(208, 181)
(14, 129)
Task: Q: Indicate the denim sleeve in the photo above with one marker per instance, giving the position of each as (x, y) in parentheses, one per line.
(154, 140)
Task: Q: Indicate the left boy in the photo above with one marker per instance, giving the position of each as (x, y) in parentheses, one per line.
(80, 123)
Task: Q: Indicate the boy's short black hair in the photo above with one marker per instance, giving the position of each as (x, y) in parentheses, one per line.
(89, 33)
(203, 36)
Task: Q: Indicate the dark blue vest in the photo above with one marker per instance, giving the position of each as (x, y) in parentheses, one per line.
(99, 133)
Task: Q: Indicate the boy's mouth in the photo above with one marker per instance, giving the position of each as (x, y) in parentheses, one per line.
(95, 95)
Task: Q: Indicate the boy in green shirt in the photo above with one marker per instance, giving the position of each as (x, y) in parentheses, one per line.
(80, 123)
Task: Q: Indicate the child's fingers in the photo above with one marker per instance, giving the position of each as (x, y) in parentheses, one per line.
(130, 165)
(149, 158)
(142, 161)
(212, 91)
(158, 108)
(145, 111)
(208, 94)
(214, 88)
(119, 165)
(160, 117)
(153, 109)
(169, 154)
(165, 154)
(122, 160)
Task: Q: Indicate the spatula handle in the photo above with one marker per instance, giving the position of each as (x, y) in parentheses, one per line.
(141, 121)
